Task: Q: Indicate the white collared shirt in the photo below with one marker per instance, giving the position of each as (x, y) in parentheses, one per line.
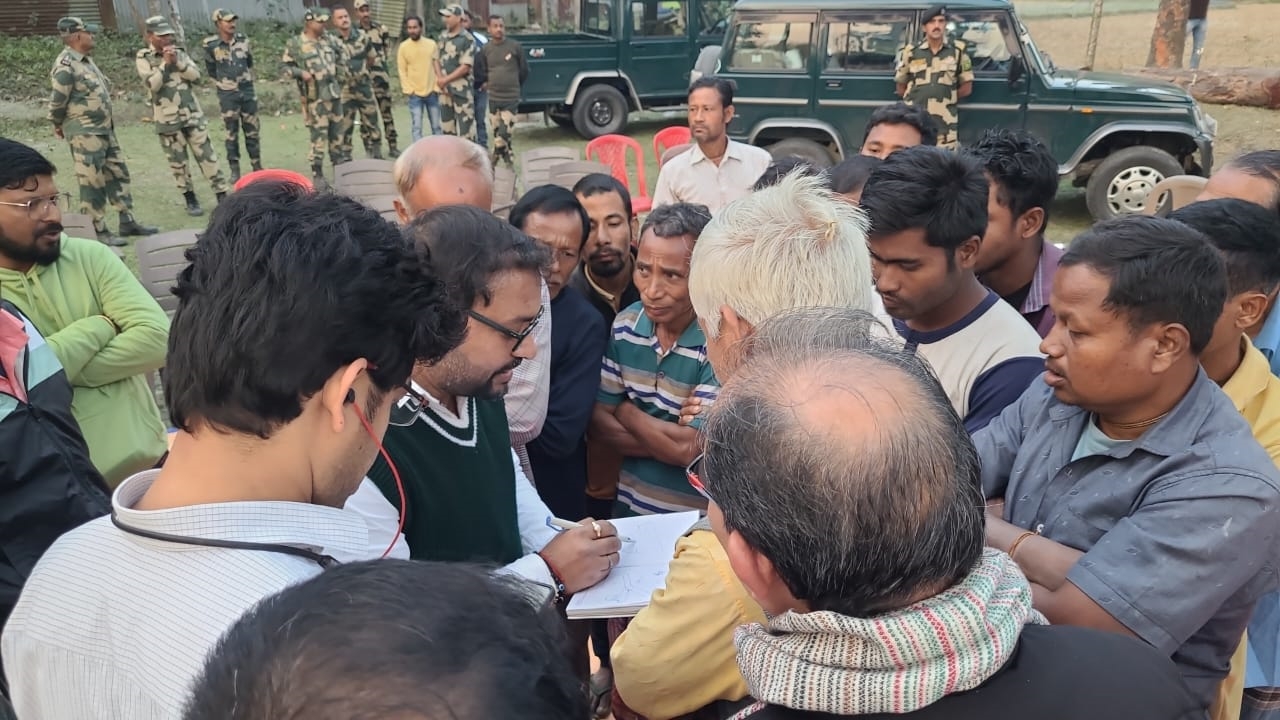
(112, 625)
(691, 178)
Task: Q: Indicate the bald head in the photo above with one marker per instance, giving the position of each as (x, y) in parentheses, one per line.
(850, 472)
(442, 170)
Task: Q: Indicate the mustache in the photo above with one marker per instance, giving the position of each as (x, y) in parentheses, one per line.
(47, 228)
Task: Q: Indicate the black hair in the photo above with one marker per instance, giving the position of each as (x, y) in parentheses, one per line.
(1262, 164)
(549, 200)
(470, 246)
(927, 187)
(852, 173)
(600, 183)
(284, 288)
(784, 166)
(393, 638)
(1247, 235)
(724, 88)
(495, 17)
(1024, 171)
(21, 164)
(677, 220)
(1160, 270)
(412, 17)
(903, 114)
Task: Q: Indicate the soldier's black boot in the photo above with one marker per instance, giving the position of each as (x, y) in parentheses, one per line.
(131, 227)
(317, 178)
(257, 164)
(108, 238)
(193, 205)
(235, 170)
(375, 151)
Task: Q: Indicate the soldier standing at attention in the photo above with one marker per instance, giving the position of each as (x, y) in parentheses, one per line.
(380, 37)
(311, 59)
(457, 54)
(80, 110)
(357, 90)
(934, 75)
(229, 60)
(507, 72)
(167, 73)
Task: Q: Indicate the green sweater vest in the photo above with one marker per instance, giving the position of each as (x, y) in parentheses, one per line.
(459, 483)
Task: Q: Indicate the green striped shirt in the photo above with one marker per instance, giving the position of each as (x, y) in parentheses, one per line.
(635, 368)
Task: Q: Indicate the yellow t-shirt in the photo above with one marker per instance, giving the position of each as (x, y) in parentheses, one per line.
(415, 61)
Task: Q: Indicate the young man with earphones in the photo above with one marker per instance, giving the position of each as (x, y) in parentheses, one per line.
(453, 485)
(300, 317)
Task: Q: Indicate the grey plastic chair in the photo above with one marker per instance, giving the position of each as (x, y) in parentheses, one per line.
(160, 259)
(536, 164)
(566, 175)
(365, 179)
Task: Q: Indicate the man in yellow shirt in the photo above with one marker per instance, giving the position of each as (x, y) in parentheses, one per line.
(1248, 237)
(806, 247)
(416, 65)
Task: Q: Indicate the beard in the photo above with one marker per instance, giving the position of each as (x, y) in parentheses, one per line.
(607, 264)
(32, 252)
(460, 378)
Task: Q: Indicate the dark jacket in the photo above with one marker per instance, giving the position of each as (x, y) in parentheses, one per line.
(47, 483)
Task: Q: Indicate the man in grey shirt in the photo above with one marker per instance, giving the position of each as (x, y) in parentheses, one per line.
(1126, 485)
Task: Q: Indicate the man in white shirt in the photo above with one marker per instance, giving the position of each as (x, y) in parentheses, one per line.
(449, 170)
(716, 170)
(281, 381)
(448, 470)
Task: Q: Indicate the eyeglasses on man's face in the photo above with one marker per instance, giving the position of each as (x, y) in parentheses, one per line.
(693, 473)
(518, 336)
(40, 207)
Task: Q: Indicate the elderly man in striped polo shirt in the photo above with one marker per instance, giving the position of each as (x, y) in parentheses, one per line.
(656, 359)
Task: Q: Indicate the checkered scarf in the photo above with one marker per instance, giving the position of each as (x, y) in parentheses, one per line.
(898, 662)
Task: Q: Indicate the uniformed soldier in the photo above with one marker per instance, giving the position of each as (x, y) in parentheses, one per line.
(357, 91)
(80, 110)
(507, 72)
(935, 74)
(381, 39)
(167, 73)
(229, 61)
(457, 54)
(311, 59)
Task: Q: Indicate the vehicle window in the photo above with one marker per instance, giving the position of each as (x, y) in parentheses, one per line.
(869, 41)
(596, 16)
(714, 13)
(651, 18)
(988, 37)
(771, 46)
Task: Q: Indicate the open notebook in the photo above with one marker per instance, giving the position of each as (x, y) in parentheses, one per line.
(642, 569)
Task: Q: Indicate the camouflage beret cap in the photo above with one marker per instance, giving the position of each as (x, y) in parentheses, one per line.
(455, 10)
(361, 4)
(69, 25)
(318, 15)
(220, 15)
(158, 25)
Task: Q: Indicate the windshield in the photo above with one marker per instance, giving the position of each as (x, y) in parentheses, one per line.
(1041, 60)
(714, 13)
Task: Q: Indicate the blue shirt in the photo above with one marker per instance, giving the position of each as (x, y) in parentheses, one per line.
(1268, 340)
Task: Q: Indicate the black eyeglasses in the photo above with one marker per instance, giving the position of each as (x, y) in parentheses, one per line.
(517, 336)
(40, 207)
(406, 409)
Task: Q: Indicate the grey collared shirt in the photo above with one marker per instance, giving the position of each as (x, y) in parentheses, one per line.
(1178, 527)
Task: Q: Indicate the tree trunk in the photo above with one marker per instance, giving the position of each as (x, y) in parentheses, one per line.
(175, 18)
(1254, 87)
(1169, 35)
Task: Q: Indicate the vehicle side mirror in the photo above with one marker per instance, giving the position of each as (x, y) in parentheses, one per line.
(1017, 69)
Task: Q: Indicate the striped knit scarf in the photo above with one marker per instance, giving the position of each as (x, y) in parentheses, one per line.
(893, 663)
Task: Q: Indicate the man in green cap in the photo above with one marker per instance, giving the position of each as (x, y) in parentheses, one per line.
(456, 52)
(935, 74)
(311, 59)
(229, 62)
(167, 72)
(80, 110)
(357, 92)
(380, 37)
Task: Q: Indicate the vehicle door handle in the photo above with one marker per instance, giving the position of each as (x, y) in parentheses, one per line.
(537, 52)
(835, 84)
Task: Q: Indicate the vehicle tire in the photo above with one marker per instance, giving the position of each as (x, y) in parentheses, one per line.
(600, 110)
(1121, 182)
(807, 150)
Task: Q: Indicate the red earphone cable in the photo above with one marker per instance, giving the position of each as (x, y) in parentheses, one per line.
(395, 473)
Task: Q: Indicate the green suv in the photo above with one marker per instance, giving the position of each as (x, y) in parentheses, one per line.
(809, 73)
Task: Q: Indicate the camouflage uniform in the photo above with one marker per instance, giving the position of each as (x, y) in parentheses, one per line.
(178, 118)
(380, 38)
(457, 99)
(230, 66)
(357, 93)
(507, 72)
(933, 82)
(321, 96)
(80, 105)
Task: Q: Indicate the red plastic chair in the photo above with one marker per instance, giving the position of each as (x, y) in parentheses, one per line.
(670, 137)
(612, 151)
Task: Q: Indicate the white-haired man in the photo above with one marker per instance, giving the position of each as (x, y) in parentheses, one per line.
(792, 245)
(449, 170)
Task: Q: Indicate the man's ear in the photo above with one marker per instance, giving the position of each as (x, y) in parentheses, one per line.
(733, 327)
(402, 212)
(967, 253)
(1031, 223)
(754, 570)
(1172, 341)
(334, 393)
(1253, 308)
